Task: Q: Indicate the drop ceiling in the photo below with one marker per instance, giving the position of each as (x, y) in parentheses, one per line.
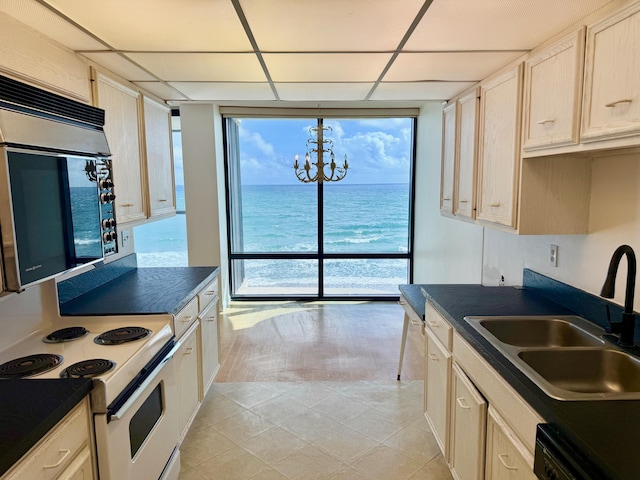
(264, 51)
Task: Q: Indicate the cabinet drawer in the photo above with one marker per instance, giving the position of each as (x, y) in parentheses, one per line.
(185, 317)
(208, 294)
(438, 326)
(49, 458)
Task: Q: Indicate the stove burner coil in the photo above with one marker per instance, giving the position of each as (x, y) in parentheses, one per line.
(122, 335)
(88, 368)
(65, 335)
(30, 365)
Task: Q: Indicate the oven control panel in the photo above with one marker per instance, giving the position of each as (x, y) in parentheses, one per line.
(107, 208)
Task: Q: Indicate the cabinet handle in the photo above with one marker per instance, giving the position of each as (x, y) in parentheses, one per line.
(462, 403)
(433, 324)
(210, 318)
(494, 204)
(415, 322)
(162, 200)
(126, 205)
(446, 199)
(188, 351)
(186, 319)
(208, 293)
(502, 457)
(434, 357)
(65, 453)
(544, 122)
(618, 102)
(463, 201)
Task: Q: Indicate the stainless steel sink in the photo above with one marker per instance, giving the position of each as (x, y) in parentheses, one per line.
(541, 332)
(565, 356)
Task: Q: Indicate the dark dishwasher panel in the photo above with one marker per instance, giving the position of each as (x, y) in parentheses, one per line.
(556, 459)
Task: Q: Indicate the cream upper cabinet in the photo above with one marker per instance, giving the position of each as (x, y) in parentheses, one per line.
(157, 130)
(466, 159)
(612, 77)
(448, 158)
(553, 94)
(468, 428)
(499, 148)
(123, 134)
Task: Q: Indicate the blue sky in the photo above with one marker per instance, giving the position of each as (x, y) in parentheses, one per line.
(378, 149)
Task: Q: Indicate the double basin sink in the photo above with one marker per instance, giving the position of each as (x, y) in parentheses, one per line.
(566, 356)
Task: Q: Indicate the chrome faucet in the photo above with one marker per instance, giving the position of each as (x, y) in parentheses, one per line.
(627, 326)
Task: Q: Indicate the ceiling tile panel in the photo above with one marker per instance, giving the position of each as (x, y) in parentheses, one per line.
(326, 67)
(496, 24)
(329, 25)
(419, 90)
(119, 65)
(212, 91)
(323, 91)
(161, 90)
(461, 66)
(45, 21)
(161, 25)
(205, 67)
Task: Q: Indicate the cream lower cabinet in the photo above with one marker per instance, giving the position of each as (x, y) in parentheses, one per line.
(65, 453)
(188, 383)
(468, 428)
(209, 345)
(507, 458)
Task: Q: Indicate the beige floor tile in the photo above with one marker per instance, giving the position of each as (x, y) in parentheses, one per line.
(243, 426)
(340, 408)
(279, 409)
(309, 394)
(374, 424)
(414, 442)
(202, 444)
(250, 394)
(385, 463)
(347, 473)
(273, 445)
(234, 464)
(218, 410)
(188, 473)
(436, 469)
(309, 463)
(310, 425)
(269, 474)
(345, 443)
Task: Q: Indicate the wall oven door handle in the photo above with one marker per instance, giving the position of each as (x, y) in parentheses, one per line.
(122, 411)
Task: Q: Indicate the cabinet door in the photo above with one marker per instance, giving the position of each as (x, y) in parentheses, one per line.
(467, 160)
(499, 155)
(80, 469)
(123, 134)
(437, 381)
(612, 77)
(468, 428)
(553, 94)
(187, 370)
(209, 345)
(448, 159)
(507, 458)
(157, 123)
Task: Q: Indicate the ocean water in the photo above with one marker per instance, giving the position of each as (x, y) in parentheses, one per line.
(282, 218)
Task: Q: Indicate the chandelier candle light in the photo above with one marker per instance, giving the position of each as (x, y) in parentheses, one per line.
(317, 146)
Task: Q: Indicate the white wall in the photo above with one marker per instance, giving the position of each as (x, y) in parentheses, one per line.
(582, 259)
(203, 158)
(445, 250)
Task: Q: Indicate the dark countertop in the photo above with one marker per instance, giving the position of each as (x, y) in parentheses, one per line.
(607, 433)
(30, 408)
(142, 291)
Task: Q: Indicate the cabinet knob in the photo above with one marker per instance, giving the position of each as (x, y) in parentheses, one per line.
(494, 205)
(462, 402)
(544, 122)
(65, 453)
(618, 102)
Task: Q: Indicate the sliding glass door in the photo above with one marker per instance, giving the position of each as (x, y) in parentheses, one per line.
(322, 239)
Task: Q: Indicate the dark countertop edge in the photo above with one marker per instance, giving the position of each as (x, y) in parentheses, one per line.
(17, 450)
(547, 407)
(195, 290)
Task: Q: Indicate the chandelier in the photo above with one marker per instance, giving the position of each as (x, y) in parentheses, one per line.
(320, 146)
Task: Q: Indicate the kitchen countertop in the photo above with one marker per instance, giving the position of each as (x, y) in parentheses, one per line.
(607, 432)
(30, 408)
(142, 291)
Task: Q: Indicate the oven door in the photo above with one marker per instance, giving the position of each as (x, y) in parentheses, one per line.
(138, 441)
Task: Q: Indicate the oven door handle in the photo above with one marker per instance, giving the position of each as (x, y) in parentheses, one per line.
(150, 379)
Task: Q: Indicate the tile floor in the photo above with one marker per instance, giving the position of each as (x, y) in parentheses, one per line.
(362, 430)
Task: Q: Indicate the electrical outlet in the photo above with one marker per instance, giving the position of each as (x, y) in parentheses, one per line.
(124, 234)
(553, 255)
